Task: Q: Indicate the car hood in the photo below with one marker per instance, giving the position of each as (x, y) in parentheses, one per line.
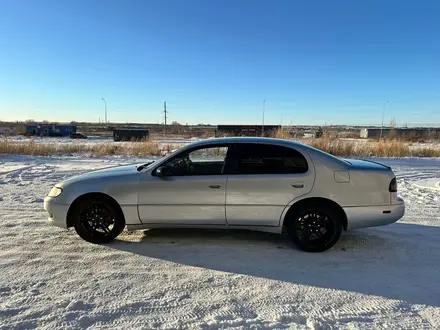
(364, 164)
(116, 171)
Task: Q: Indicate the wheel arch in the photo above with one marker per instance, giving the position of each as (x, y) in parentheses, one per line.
(91, 195)
(314, 201)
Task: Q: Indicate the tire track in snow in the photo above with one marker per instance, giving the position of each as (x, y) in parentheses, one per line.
(9, 176)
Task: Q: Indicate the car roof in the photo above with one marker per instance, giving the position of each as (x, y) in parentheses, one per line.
(257, 140)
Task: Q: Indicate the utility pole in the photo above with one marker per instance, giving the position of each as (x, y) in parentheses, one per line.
(383, 113)
(165, 114)
(262, 126)
(281, 124)
(105, 109)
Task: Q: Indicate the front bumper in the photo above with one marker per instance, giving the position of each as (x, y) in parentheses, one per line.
(57, 212)
(370, 216)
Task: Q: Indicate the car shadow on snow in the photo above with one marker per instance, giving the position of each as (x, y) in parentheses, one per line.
(400, 261)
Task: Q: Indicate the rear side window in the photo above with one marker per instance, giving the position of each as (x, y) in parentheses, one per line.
(270, 159)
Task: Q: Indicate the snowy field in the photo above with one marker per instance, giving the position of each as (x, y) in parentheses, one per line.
(179, 141)
(383, 278)
(93, 140)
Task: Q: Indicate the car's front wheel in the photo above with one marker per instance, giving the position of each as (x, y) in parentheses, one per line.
(97, 220)
(314, 228)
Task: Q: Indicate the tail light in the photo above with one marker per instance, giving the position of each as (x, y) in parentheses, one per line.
(393, 185)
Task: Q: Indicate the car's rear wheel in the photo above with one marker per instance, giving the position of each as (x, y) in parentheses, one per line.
(314, 228)
(97, 220)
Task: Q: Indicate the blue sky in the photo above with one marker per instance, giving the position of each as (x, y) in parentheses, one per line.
(213, 61)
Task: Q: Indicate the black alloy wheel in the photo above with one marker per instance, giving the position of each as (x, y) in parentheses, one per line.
(315, 229)
(98, 220)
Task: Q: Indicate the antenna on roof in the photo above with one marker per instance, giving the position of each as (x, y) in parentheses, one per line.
(262, 126)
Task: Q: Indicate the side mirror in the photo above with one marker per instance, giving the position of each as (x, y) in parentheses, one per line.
(163, 171)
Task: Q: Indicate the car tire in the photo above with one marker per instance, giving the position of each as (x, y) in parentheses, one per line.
(314, 228)
(97, 220)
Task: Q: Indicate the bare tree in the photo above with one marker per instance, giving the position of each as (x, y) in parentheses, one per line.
(176, 128)
(393, 122)
(392, 134)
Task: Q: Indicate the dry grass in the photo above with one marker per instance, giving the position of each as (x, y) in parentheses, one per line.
(30, 147)
(333, 146)
(337, 147)
(280, 134)
(426, 152)
(383, 148)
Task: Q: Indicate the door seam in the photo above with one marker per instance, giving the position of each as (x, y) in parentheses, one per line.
(226, 191)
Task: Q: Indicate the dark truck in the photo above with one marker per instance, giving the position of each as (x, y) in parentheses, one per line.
(77, 136)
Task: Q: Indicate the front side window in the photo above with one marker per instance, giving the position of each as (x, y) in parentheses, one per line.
(270, 159)
(203, 161)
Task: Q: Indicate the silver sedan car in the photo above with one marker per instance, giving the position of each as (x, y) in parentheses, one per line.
(259, 184)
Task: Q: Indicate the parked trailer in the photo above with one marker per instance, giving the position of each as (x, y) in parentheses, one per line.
(63, 130)
(130, 134)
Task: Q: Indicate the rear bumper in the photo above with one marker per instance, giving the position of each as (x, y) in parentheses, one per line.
(57, 212)
(370, 216)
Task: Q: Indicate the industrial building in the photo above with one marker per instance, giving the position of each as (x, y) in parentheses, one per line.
(12, 128)
(62, 130)
(6, 130)
(372, 133)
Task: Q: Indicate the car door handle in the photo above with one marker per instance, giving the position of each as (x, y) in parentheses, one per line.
(215, 186)
(297, 185)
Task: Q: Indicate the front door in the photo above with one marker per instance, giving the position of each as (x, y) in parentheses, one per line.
(191, 190)
(266, 179)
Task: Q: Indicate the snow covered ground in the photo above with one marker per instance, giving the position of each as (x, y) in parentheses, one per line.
(384, 277)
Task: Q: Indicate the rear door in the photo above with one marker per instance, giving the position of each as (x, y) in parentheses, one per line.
(263, 181)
